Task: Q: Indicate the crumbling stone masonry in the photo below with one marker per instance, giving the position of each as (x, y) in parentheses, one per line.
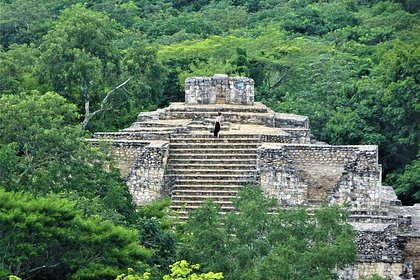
(171, 151)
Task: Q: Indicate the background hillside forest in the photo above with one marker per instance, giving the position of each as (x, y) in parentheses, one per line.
(70, 68)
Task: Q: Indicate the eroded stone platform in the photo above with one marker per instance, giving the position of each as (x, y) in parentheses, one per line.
(172, 152)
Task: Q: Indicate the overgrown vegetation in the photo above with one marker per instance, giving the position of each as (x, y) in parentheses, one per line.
(69, 68)
(351, 66)
(256, 244)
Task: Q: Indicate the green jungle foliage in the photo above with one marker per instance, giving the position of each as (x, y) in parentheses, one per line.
(255, 244)
(351, 66)
(46, 238)
(69, 68)
(180, 270)
(42, 151)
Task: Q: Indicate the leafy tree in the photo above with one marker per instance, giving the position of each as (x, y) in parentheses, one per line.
(79, 58)
(25, 22)
(157, 233)
(17, 69)
(46, 238)
(149, 75)
(46, 153)
(131, 276)
(400, 75)
(407, 185)
(180, 270)
(256, 244)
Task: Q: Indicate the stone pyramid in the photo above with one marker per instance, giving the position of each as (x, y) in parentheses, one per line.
(173, 152)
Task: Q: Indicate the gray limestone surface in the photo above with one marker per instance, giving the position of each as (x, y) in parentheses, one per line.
(172, 151)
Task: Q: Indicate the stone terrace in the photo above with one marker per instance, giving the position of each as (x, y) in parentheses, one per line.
(172, 152)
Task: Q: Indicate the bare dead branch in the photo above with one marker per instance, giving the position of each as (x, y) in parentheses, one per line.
(43, 266)
(279, 80)
(88, 115)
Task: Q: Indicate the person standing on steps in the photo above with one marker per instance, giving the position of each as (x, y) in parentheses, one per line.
(217, 125)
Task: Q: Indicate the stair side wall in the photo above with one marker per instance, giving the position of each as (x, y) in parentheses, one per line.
(146, 180)
(278, 177)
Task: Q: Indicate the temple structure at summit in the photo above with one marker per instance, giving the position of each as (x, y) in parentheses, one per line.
(172, 152)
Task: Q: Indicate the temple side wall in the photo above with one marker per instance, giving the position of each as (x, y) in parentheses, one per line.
(413, 253)
(219, 89)
(296, 174)
(361, 271)
(278, 176)
(361, 181)
(146, 179)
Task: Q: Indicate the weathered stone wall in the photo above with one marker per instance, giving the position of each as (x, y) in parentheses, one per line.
(317, 174)
(146, 179)
(135, 135)
(154, 115)
(382, 246)
(299, 135)
(278, 176)
(377, 242)
(198, 90)
(361, 181)
(283, 120)
(240, 91)
(362, 270)
(126, 154)
(219, 89)
(412, 252)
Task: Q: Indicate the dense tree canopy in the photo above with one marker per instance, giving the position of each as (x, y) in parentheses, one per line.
(43, 152)
(353, 67)
(46, 238)
(255, 244)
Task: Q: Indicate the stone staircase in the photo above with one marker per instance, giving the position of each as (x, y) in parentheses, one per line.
(203, 167)
(246, 114)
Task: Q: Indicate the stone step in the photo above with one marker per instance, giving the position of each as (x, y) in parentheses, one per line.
(208, 135)
(134, 135)
(210, 181)
(216, 172)
(179, 199)
(210, 166)
(207, 127)
(193, 205)
(214, 145)
(222, 188)
(211, 191)
(212, 151)
(183, 215)
(219, 157)
(224, 208)
(214, 140)
(199, 200)
(234, 117)
(161, 123)
(215, 177)
(148, 129)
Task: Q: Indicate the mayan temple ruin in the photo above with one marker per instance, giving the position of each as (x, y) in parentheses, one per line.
(172, 152)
